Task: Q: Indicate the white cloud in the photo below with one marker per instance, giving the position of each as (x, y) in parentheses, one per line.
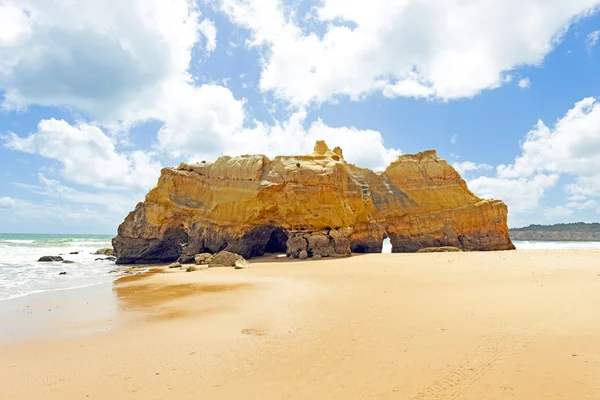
(362, 147)
(453, 139)
(571, 148)
(408, 48)
(117, 62)
(7, 202)
(522, 195)
(557, 212)
(88, 156)
(14, 23)
(524, 83)
(208, 29)
(190, 131)
(468, 166)
(591, 40)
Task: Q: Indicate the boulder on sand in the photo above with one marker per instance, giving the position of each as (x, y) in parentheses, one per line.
(175, 265)
(50, 259)
(242, 264)
(203, 259)
(225, 259)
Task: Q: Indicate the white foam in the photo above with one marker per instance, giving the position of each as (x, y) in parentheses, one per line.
(21, 274)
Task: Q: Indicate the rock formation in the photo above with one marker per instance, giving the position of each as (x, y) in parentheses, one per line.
(308, 205)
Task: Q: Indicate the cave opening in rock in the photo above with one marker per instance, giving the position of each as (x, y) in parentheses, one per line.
(359, 249)
(277, 242)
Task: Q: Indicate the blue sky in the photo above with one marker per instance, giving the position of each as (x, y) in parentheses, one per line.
(96, 97)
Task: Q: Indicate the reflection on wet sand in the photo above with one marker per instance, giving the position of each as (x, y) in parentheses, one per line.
(139, 276)
(156, 301)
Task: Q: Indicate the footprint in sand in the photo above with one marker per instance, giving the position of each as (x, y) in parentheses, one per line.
(255, 332)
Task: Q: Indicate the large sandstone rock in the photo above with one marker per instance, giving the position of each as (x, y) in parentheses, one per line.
(315, 203)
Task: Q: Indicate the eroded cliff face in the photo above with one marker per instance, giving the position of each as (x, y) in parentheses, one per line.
(316, 203)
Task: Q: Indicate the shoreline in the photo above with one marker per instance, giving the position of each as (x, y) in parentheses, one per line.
(424, 326)
(522, 245)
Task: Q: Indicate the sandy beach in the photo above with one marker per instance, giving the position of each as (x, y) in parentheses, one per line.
(499, 325)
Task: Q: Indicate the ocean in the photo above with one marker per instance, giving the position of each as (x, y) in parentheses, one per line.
(21, 274)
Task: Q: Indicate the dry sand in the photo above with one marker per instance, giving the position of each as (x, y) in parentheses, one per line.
(506, 325)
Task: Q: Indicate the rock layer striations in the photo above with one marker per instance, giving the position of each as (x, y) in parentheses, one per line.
(306, 206)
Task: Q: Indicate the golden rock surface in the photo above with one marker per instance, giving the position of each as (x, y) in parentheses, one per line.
(317, 203)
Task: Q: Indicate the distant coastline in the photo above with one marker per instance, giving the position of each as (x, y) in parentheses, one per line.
(573, 232)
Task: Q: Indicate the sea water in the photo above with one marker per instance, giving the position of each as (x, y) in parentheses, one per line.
(553, 245)
(21, 274)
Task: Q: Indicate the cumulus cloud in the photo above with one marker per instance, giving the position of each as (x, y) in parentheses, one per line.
(570, 148)
(88, 156)
(522, 195)
(117, 62)
(201, 120)
(411, 48)
(14, 23)
(362, 147)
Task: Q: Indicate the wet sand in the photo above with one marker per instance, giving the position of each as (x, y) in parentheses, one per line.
(499, 325)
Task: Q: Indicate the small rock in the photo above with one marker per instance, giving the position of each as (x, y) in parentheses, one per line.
(74, 252)
(316, 257)
(68, 262)
(63, 273)
(442, 249)
(303, 255)
(191, 268)
(50, 258)
(105, 252)
(202, 259)
(241, 264)
(185, 259)
(175, 265)
(111, 258)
